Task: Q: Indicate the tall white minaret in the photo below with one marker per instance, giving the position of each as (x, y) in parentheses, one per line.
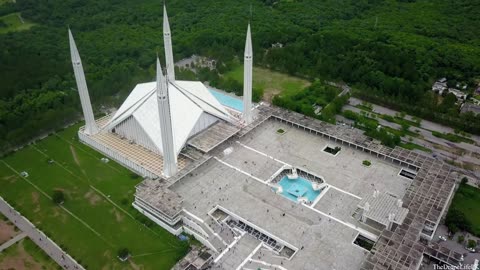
(167, 43)
(169, 156)
(247, 79)
(90, 125)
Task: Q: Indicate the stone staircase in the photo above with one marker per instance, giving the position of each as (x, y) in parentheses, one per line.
(223, 230)
(192, 153)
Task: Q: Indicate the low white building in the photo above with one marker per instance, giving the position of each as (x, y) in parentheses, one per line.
(459, 94)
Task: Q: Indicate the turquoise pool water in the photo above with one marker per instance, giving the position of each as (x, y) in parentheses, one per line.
(292, 189)
(229, 101)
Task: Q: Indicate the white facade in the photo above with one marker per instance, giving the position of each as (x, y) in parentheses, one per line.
(166, 130)
(161, 116)
(193, 108)
(90, 125)
(167, 43)
(247, 79)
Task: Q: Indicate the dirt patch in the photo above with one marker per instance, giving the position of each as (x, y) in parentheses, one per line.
(133, 265)
(7, 231)
(92, 197)
(10, 178)
(19, 259)
(452, 150)
(35, 197)
(58, 213)
(269, 93)
(118, 216)
(74, 154)
(107, 254)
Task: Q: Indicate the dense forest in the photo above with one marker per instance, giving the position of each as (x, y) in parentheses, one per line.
(389, 50)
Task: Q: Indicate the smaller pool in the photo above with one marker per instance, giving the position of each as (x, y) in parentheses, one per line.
(229, 101)
(295, 188)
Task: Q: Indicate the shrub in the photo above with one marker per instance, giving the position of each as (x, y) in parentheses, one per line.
(460, 239)
(124, 201)
(471, 243)
(58, 197)
(280, 131)
(367, 163)
(257, 94)
(123, 254)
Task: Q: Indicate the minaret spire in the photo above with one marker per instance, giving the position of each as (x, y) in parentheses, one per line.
(247, 79)
(169, 156)
(167, 43)
(90, 125)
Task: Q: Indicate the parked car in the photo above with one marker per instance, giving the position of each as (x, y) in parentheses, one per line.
(472, 250)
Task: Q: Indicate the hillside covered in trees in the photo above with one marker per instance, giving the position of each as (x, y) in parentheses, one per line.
(390, 50)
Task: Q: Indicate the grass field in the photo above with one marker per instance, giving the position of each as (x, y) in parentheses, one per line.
(25, 254)
(452, 137)
(272, 82)
(14, 23)
(97, 218)
(467, 200)
(411, 146)
(5, 1)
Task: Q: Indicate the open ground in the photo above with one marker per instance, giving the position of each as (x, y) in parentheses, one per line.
(272, 82)
(14, 22)
(96, 220)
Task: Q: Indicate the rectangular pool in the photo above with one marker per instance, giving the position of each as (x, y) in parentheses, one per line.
(228, 101)
(295, 188)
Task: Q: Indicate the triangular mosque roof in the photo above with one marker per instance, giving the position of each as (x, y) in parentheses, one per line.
(188, 101)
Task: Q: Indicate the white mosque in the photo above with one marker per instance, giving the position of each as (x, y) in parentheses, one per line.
(159, 119)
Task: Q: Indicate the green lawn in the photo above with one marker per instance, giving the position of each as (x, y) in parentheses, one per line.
(13, 23)
(5, 1)
(95, 227)
(411, 146)
(452, 137)
(467, 200)
(272, 82)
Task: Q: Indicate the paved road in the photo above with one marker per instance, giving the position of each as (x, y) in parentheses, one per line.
(37, 236)
(12, 241)
(453, 244)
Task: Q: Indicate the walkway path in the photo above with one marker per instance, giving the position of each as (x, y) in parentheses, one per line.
(37, 236)
(12, 241)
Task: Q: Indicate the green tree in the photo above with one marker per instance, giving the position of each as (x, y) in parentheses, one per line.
(471, 243)
(58, 197)
(123, 254)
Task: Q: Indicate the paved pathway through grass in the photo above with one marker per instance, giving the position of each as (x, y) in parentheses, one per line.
(12, 241)
(50, 247)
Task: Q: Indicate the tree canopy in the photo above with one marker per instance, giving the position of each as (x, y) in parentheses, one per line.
(390, 50)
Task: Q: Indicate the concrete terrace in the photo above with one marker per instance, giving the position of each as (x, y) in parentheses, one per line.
(345, 170)
(236, 178)
(326, 243)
